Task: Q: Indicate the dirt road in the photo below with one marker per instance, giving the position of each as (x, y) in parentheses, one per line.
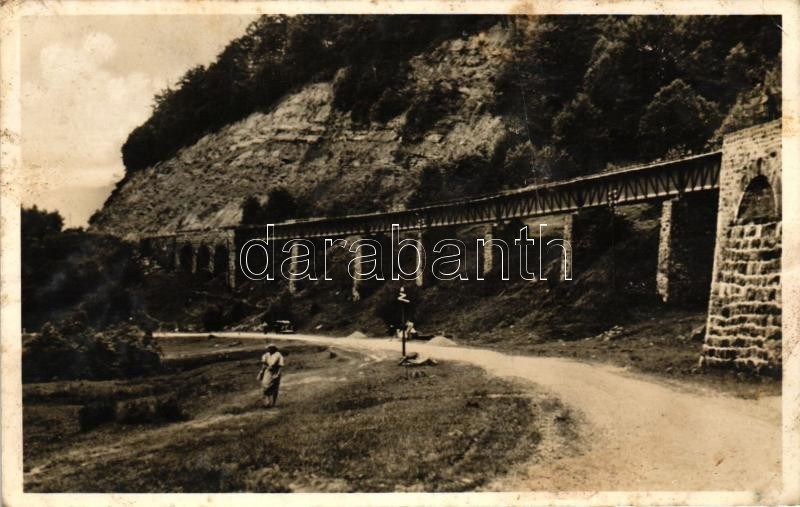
(642, 434)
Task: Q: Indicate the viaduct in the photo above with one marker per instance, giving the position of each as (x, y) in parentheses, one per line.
(743, 178)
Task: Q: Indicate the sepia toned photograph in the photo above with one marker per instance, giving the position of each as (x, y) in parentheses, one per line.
(491, 253)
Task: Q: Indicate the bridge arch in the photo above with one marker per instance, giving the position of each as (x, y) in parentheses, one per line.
(757, 204)
(221, 259)
(186, 257)
(204, 259)
(146, 247)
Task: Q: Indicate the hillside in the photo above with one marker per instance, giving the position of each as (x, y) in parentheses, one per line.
(352, 114)
(317, 152)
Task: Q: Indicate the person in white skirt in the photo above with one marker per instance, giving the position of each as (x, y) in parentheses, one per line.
(270, 374)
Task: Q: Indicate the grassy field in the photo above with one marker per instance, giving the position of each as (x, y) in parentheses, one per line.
(344, 422)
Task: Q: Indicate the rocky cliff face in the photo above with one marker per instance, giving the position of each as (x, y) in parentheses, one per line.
(319, 154)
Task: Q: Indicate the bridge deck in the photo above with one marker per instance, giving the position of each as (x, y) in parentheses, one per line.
(625, 186)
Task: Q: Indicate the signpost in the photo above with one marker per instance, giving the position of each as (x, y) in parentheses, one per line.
(403, 299)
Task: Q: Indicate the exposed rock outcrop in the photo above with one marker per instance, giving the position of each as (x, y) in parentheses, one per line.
(318, 153)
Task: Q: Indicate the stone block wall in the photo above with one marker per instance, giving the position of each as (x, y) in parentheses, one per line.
(744, 316)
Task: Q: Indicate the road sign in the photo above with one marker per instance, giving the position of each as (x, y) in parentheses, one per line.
(403, 297)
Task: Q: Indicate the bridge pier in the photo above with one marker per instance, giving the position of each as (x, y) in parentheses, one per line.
(383, 244)
(420, 259)
(685, 249)
(176, 257)
(303, 256)
(589, 232)
(355, 292)
(408, 255)
(294, 250)
(487, 257)
(744, 310)
(230, 249)
(496, 249)
(210, 261)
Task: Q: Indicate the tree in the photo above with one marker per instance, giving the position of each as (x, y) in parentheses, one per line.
(580, 130)
(280, 206)
(251, 211)
(547, 69)
(628, 66)
(37, 224)
(755, 105)
(431, 184)
(678, 119)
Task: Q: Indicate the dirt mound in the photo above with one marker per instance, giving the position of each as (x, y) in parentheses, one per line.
(441, 341)
(143, 410)
(149, 409)
(357, 334)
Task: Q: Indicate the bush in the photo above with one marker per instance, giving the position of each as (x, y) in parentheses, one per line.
(280, 308)
(72, 350)
(280, 206)
(218, 317)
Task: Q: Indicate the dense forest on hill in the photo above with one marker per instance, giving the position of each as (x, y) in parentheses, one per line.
(599, 91)
(587, 92)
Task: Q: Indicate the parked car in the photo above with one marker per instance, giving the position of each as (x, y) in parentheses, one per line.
(284, 326)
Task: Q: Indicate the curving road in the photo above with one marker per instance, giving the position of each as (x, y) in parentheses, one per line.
(642, 433)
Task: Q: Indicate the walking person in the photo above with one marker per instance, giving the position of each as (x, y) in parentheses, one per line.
(270, 375)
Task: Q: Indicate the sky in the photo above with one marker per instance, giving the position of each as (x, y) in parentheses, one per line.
(87, 82)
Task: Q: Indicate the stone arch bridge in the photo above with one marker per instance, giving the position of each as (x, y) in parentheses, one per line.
(741, 279)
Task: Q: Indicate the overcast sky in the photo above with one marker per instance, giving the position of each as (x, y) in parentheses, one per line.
(87, 81)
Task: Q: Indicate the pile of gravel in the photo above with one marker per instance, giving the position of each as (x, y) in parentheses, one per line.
(441, 341)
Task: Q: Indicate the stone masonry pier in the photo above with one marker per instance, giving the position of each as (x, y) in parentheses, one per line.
(744, 312)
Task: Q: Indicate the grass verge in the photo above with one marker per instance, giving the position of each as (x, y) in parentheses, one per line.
(343, 423)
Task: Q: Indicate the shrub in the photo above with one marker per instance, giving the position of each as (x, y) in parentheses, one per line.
(72, 350)
(218, 317)
(280, 206)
